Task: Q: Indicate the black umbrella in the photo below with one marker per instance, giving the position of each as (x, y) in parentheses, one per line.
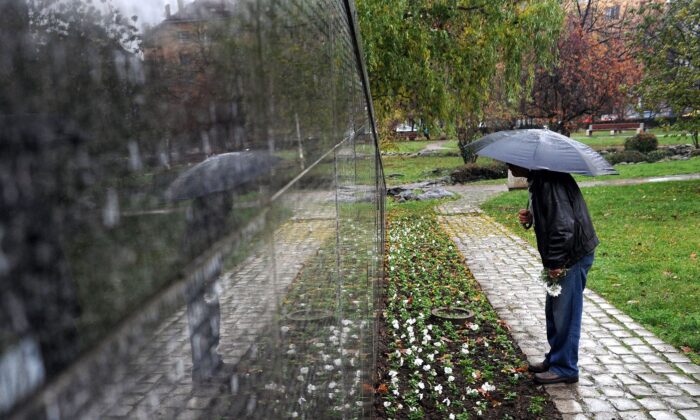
(218, 173)
(542, 149)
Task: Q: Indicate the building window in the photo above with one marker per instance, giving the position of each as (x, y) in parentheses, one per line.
(183, 36)
(612, 12)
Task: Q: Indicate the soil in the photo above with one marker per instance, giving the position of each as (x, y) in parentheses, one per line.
(501, 407)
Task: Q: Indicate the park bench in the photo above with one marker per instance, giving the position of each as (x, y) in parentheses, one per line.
(615, 127)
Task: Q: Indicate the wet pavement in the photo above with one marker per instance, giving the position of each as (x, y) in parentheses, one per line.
(626, 371)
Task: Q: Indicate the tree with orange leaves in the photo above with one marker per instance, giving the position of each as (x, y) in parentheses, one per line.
(594, 70)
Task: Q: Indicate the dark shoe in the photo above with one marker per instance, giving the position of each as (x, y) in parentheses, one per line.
(550, 377)
(538, 367)
(218, 377)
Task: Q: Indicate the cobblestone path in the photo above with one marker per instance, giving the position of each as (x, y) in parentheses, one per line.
(158, 383)
(626, 371)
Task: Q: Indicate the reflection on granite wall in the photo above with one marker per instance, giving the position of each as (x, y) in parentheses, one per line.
(191, 210)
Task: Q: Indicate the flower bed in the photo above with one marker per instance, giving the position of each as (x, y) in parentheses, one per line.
(436, 369)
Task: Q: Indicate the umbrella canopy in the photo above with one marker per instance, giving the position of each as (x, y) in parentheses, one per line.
(218, 173)
(542, 149)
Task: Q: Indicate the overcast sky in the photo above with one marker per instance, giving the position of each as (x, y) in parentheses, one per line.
(149, 12)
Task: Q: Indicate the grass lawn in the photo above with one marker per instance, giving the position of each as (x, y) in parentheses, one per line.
(603, 139)
(642, 170)
(416, 169)
(639, 170)
(418, 145)
(647, 263)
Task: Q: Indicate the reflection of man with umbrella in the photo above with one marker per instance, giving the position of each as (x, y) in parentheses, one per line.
(565, 236)
(209, 185)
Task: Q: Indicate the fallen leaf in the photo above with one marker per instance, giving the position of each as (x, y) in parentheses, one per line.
(693, 256)
(368, 388)
(382, 389)
(686, 349)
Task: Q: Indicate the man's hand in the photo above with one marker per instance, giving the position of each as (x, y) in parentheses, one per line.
(555, 272)
(525, 217)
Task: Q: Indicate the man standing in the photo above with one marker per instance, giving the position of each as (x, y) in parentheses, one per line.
(566, 242)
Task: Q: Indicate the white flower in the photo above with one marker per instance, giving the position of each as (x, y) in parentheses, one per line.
(421, 385)
(393, 373)
(410, 330)
(473, 327)
(337, 362)
(450, 378)
(395, 324)
(448, 370)
(347, 322)
(411, 321)
(294, 415)
(554, 290)
(488, 387)
(426, 367)
(311, 388)
(304, 370)
(431, 357)
(300, 378)
(452, 416)
(472, 392)
(332, 385)
(284, 328)
(387, 404)
(447, 401)
(430, 327)
(438, 388)
(395, 392)
(418, 361)
(328, 367)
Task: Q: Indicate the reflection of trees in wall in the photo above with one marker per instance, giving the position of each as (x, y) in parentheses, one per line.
(61, 61)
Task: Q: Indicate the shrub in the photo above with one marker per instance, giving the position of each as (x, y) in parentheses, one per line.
(643, 142)
(657, 155)
(473, 172)
(631, 156)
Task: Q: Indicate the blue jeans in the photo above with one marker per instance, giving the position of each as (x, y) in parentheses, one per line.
(564, 319)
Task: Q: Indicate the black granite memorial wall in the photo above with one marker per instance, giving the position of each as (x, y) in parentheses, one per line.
(191, 210)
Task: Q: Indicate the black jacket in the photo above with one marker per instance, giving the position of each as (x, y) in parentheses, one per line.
(563, 226)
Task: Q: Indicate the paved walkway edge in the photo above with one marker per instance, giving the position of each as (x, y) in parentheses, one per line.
(626, 371)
